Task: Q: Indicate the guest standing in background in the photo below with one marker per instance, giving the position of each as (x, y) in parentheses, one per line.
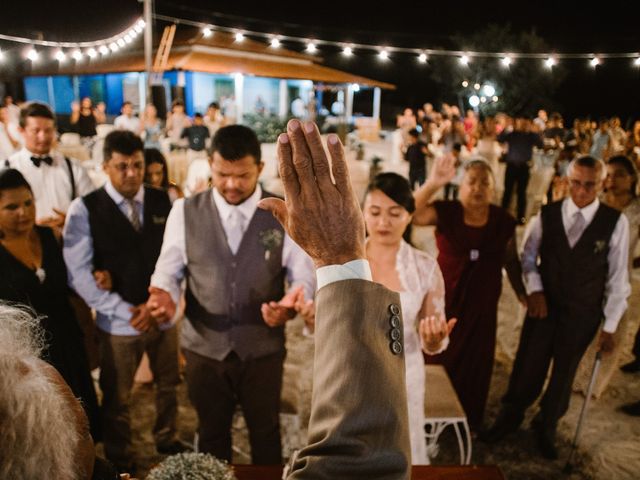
(475, 240)
(83, 119)
(34, 274)
(619, 193)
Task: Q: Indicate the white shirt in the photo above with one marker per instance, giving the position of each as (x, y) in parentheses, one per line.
(113, 313)
(617, 287)
(172, 262)
(124, 122)
(51, 184)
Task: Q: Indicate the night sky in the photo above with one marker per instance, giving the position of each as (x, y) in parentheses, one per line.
(565, 26)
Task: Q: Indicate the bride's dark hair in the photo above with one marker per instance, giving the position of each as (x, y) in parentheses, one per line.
(397, 188)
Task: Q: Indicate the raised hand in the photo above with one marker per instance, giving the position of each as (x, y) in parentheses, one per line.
(443, 170)
(161, 305)
(321, 216)
(433, 330)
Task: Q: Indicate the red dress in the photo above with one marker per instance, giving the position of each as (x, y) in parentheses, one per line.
(471, 260)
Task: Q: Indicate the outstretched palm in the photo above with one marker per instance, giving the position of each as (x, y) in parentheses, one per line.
(443, 170)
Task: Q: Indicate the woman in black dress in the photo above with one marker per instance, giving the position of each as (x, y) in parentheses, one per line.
(33, 273)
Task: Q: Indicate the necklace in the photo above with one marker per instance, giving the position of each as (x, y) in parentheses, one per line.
(30, 256)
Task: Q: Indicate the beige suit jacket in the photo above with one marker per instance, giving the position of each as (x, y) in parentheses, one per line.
(359, 423)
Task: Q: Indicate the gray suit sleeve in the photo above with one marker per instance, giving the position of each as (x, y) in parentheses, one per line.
(359, 422)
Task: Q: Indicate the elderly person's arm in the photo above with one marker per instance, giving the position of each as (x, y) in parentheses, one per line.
(355, 356)
(442, 172)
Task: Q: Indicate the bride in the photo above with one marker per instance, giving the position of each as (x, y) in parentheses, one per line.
(388, 210)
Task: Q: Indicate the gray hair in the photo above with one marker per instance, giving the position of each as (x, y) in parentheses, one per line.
(589, 162)
(479, 161)
(37, 431)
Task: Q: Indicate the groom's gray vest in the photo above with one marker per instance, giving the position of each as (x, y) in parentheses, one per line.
(225, 291)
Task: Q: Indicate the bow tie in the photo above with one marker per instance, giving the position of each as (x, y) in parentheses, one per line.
(38, 160)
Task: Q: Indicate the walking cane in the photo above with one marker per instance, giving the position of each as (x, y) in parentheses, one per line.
(568, 468)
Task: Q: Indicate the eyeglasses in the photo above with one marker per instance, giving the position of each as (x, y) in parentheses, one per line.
(588, 186)
(123, 167)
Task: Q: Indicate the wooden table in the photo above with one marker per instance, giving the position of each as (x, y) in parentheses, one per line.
(471, 472)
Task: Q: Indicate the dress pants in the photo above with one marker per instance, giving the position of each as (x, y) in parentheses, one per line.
(561, 339)
(119, 360)
(217, 386)
(516, 174)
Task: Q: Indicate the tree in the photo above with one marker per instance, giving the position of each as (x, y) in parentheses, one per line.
(522, 88)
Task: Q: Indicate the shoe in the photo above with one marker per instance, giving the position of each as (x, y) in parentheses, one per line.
(505, 424)
(631, 409)
(176, 446)
(547, 445)
(631, 367)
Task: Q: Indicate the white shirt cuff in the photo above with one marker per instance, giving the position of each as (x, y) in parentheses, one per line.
(611, 325)
(533, 282)
(355, 269)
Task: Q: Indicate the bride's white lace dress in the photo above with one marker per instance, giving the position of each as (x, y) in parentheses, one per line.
(422, 294)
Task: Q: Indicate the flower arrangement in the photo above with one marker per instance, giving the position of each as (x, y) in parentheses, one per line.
(192, 466)
(270, 240)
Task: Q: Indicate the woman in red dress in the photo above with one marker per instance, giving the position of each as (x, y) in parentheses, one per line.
(475, 240)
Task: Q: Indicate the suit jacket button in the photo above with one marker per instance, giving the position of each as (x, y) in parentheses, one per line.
(396, 348)
(394, 321)
(395, 334)
(394, 309)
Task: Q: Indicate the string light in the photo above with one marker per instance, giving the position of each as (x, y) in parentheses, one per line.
(120, 42)
(595, 61)
(114, 47)
(104, 50)
(422, 58)
(383, 55)
(476, 86)
(506, 61)
(636, 62)
(207, 32)
(550, 62)
(33, 54)
(464, 60)
(239, 37)
(1, 55)
(60, 56)
(347, 52)
(77, 55)
(91, 53)
(127, 38)
(465, 84)
(311, 47)
(275, 43)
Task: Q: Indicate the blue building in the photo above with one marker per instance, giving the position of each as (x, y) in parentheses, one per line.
(199, 70)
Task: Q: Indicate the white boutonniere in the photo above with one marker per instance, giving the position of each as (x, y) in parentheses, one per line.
(270, 240)
(599, 246)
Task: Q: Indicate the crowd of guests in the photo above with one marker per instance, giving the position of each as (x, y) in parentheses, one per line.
(214, 278)
(512, 141)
